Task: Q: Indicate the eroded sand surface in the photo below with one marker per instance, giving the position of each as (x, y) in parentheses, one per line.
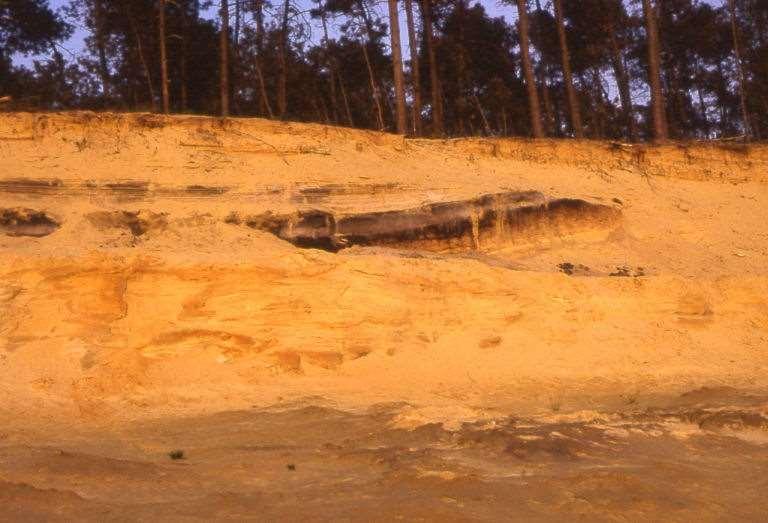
(334, 324)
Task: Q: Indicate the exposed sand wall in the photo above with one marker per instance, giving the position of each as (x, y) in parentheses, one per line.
(136, 279)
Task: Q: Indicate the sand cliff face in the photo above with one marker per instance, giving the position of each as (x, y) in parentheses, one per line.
(144, 260)
(156, 267)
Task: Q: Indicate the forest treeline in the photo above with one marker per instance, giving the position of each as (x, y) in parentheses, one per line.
(630, 70)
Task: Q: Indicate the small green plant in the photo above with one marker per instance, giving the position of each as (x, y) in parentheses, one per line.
(176, 454)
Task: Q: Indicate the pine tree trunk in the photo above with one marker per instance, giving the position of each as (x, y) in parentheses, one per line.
(183, 59)
(263, 89)
(599, 107)
(235, 71)
(533, 96)
(258, 13)
(397, 66)
(236, 36)
(61, 80)
(546, 101)
(282, 77)
(543, 74)
(660, 129)
(461, 103)
(163, 58)
(142, 58)
(331, 62)
(674, 107)
(319, 102)
(702, 103)
(559, 111)
(722, 94)
(438, 125)
(224, 58)
(740, 70)
(504, 131)
(374, 88)
(346, 100)
(415, 68)
(98, 19)
(369, 29)
(622, 80)
(483, 118)
(573, 102)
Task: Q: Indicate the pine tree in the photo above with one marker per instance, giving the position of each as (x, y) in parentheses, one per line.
(739, 69)
(660, 130)
(573, 102)
(163, 57)
(415, 69)
(438, 124)
(530, 83)
(224, 58)
(397, 66)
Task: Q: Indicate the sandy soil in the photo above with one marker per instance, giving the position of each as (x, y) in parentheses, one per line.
(496, 329)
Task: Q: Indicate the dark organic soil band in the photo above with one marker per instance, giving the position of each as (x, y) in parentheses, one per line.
(459, 225)
(21, 221)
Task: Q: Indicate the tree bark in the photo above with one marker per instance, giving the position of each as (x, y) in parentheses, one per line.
(224, 58)
(374, 88)
(438, 125)
(483, 118)
(533, 96)
(415, 69)
(546, 100)
(346, 100)
(163, 58)
(183, 59)
(740, 70)
(660, 129)
(573, 102)
(235, 70)
(397, 66)
(282, 77)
